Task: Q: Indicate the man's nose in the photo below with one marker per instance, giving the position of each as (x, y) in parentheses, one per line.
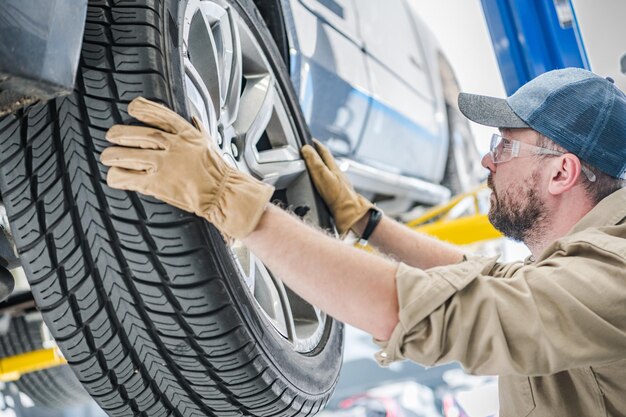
(487, 162)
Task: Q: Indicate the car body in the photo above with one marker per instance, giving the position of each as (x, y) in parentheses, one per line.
(371, 85)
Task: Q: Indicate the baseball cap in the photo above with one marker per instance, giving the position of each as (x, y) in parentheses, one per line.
(579, 110)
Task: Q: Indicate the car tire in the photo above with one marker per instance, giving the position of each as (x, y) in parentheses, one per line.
(55, 388)
(154, 312)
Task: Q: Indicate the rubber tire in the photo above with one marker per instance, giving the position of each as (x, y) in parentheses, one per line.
(55, 388)
(145, 300)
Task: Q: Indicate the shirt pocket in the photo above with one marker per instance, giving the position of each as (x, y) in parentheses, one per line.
(516, 397)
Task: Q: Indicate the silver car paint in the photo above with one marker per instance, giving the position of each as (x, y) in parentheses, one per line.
(367, 79)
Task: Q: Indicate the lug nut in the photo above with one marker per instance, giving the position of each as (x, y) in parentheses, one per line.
(220, 135)
(234, 149)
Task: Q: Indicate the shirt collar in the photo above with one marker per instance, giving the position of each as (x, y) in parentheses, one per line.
(608, 212)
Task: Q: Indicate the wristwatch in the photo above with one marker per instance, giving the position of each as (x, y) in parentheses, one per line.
(374, 218)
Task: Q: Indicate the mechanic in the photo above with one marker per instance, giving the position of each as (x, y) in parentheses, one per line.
(552, 327)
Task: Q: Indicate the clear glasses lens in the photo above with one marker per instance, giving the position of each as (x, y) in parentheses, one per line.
(500, 149)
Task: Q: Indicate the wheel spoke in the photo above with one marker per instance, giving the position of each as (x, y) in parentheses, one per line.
(275, 156)
(255, 109)
(199, 98)
(319, 314)
(273, 300)
(231, 66)
(202, 52)
(281, 173)
(288, 310)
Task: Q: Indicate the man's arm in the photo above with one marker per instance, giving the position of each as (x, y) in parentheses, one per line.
(349, 209)
(411, 247)
(351, 285)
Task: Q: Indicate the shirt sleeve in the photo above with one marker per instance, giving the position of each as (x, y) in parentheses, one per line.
(559, 314)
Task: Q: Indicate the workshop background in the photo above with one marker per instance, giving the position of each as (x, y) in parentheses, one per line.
(406, 389)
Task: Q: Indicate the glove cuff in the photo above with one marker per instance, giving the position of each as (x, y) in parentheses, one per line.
(239, 205)
(353, 211)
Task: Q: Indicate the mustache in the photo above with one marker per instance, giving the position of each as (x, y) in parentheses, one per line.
(490, 182)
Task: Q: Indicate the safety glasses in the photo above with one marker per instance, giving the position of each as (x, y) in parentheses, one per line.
(503, 150)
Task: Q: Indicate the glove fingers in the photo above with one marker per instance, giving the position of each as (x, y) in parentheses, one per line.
(138, 137)
(308, 153)
(131, 158)
(154, 114)
(205, 134)
(312, 157)
(127, 179)
(320, 173)
(142, 182)
(326, 156)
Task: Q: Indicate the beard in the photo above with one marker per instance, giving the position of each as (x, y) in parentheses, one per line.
(518, 212)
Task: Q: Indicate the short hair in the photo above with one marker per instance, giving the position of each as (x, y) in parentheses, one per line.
(603, 186)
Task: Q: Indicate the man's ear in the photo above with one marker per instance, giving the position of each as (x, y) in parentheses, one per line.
(564, 173)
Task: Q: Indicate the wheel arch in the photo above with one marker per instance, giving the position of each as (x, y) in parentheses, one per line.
(449, 82)
(459, 135)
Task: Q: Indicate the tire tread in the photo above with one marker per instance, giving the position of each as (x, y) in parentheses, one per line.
(121, 279)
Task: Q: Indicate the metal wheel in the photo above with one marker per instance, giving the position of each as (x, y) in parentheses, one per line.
(231, 87)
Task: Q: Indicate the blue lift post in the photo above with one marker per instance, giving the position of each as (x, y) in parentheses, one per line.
(529, 38)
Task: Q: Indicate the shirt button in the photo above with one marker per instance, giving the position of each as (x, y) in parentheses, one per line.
(383, 355)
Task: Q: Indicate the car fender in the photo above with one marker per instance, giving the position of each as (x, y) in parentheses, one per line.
(40, 50)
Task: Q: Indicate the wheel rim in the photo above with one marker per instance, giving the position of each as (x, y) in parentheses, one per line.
(231, 87)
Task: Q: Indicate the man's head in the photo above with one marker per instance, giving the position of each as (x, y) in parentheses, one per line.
(516, 201)
(562, 137)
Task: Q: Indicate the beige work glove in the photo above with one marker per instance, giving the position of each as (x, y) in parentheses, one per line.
(181, 165)
(347, 206)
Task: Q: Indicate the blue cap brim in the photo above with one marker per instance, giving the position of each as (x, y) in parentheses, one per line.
(490, 111)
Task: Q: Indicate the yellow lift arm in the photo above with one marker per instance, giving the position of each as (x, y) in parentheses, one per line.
(462, 221)
(13, 367)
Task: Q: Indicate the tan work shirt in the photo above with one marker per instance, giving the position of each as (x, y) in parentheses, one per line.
(553, 329)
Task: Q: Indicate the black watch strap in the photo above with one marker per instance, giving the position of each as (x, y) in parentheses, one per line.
(375, 216)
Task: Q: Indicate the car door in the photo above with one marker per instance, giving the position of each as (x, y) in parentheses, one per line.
(328, 70)
(404, 111)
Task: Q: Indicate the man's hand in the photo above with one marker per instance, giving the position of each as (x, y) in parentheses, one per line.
(346, 205)
(180, 164)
